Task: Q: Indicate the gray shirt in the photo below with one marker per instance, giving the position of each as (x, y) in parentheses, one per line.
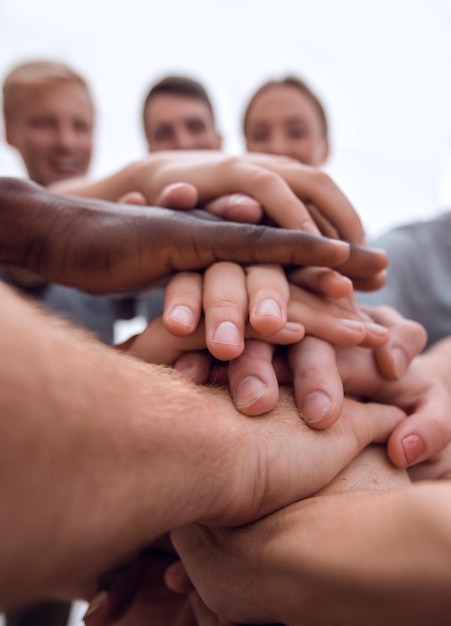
(419, 274)
(96, 313)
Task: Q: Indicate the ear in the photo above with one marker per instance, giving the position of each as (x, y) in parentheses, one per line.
(325, 151)
(218, 141)
(10, 134)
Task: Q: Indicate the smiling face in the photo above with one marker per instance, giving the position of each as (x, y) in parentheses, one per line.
(179, 122)
(285, 121)
(52, 128)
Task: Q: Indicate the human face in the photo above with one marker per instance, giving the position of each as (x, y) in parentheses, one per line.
(176, 122)
(282, 120)
(52, 128)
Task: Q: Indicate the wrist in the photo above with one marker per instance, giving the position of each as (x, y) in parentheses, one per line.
(141, 176)
(153, 476)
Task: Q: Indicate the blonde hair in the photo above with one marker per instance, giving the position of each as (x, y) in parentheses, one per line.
(36, 74)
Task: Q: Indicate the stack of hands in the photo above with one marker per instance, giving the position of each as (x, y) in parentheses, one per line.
(267, 314)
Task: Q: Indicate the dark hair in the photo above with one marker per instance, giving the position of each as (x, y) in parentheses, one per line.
(300, 85)
(179, 86)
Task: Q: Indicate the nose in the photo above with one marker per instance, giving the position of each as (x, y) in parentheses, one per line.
(277, 145)
(65, 136)
(185, 140)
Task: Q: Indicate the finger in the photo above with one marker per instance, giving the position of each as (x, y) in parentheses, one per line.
(370, 284)
(329, 321)
(236, 208)
(178, 196)
(177, 579)
(317, 188)
(203, 615)
(340, 220)
(117, 590)
(364, 263)
(276, 183)
(195, 366)
(268, 293)
(421, 436)
(326, 228)
(271, 191)
(225, 306)
(214, 176)
(438, 467)
(322, 281)
(406, 340)
(292, 332)
(268, 245)
(133, 197)
(162, 242)
(370, 422)
(183, 303)
(99, 610)
(157, 345)
(317, 384)
(252, 380)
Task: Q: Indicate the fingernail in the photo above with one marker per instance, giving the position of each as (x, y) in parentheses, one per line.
(316, 405)
(172, 186)
(227, 333)
(352, 324)
(269, 307)
(400, 361)
(310, 227)
(238, 198)
(249, 391)
(294, 327)
(413, 447)
(96, 603)
(183, 315)
(376, 329)
(185, 366)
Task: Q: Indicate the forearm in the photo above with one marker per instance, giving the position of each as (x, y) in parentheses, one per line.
(110, 188)
(368, 549)
(285, 552)
(100, 453)
(367, 558)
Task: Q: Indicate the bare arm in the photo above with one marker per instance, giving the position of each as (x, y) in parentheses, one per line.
(283, 187)
(357, 554)
(104, 247)
(116, 452)
(73, 415)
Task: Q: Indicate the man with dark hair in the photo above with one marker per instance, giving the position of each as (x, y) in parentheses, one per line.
(178, 115)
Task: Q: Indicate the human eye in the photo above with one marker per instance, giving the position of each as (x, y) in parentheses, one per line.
(196, 126)
(42, 123)
(163, 133)
(298, 132)
(81, 127)
(259, 133)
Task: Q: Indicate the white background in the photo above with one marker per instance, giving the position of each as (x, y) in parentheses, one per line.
(382, 68)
